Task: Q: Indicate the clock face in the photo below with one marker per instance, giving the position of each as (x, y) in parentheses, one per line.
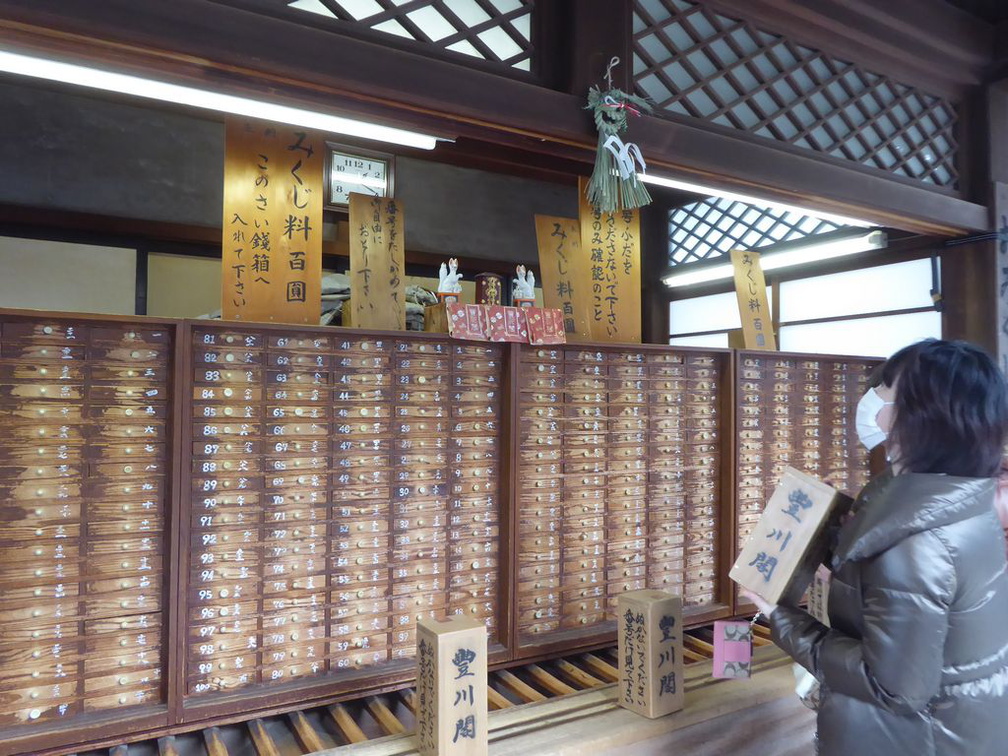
(356, 173)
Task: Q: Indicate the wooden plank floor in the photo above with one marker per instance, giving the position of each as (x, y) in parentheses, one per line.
(354, 724)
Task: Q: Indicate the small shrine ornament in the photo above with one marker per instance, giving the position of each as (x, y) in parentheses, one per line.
(450, 282)
(614, 183)
(523, 288)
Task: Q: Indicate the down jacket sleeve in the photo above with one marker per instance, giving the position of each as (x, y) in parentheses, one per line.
(906, 592)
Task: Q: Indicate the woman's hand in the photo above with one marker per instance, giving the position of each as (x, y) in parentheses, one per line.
(765, 607)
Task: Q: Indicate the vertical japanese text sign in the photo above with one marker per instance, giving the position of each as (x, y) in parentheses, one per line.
(612, 243)
(451, 710)
(750, 287)
(566, 276)
(650, 652)
(780, 558)
(377, 288)
(272, 245)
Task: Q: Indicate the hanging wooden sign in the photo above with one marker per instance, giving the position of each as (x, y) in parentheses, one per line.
(377, 288)
(611, 242)
(272, 244)
(750, 287)
(566, 275)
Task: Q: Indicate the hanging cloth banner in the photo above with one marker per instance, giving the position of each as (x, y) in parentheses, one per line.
(750, 287)
(272, 243)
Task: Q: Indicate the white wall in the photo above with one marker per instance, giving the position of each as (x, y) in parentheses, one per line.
(48, 275)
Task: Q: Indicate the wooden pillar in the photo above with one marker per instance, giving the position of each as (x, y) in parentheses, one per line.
(654, 262)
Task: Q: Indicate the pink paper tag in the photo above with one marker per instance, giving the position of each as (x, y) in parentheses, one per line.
(732, 649)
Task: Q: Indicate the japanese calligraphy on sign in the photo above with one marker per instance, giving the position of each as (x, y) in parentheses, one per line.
(611, 242)
(780, 557)
(377, 264)
(650, 652)
(451, 687)
(750, 287)
(565, 272)
(272, 238)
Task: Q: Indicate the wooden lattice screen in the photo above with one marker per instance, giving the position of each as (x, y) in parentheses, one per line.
(714, 226)
(496, 31)
(693, 62)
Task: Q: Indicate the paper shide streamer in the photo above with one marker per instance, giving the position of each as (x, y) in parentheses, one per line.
(614, 184)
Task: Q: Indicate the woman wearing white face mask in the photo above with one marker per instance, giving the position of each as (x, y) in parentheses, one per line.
(915, 662)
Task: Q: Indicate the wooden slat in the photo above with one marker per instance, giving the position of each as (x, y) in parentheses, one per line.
(409, 698)
(761, 630)
(346, 725)
(601, 668)
(166, 746)
(548, 681)
(306, 734)
(388, 721)
(698, 645)
(519, 687)
(214, 743)
(578, 675)
(692, 656)
(264, 744)
(496, 699)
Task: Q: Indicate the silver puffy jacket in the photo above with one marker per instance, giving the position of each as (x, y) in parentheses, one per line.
(916, 663)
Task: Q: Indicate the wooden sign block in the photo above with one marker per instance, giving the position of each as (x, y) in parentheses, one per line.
(377, 289)
(451, 687)
(613, 245)
(650, 652)
(782, 554)
(436, 318)
(750, 288)
(566, 274)
(732, 649)
(272, 244)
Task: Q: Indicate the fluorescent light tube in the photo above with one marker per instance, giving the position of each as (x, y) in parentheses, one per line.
(109, 81)
(686, 186)
(791, 254)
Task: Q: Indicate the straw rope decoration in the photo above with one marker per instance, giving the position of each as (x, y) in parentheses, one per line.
(614, 184)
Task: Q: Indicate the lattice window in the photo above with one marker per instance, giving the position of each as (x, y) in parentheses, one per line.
(498, 31)
(713, 227)
(693, 62)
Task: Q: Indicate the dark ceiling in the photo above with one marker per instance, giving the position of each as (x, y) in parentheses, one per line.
(993, 11)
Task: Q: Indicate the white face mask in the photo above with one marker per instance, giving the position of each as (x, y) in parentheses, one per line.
(866, 420)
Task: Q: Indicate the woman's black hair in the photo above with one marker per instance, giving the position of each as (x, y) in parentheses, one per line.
(951, 408)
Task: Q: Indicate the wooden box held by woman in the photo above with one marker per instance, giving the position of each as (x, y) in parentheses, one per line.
(916, 661)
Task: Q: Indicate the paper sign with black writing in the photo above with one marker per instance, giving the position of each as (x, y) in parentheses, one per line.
(781, 555)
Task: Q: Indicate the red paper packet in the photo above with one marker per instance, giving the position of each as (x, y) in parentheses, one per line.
(545, 326)
(467, 321)
(507, 324)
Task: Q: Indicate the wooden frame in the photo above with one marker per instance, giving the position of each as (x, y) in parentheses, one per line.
(181, 712)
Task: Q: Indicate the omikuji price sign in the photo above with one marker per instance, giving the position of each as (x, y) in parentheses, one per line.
(272, 242)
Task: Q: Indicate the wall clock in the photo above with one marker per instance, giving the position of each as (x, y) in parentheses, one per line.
(350, 169)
